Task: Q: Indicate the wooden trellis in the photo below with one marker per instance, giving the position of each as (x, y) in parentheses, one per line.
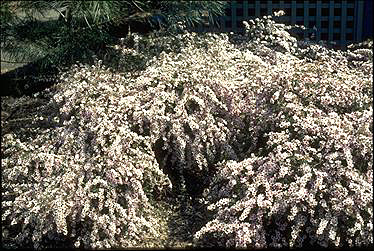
(338, 21)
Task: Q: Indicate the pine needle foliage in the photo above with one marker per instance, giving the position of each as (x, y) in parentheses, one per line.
(28, 34)
(80, 29)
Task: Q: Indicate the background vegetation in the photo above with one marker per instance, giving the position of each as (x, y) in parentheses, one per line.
(55, 34)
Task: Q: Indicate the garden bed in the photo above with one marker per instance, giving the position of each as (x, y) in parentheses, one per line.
(251, 142)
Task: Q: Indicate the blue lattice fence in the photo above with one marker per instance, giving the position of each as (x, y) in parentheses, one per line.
(337, 21)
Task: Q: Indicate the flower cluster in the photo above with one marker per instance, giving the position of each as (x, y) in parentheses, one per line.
(277, 133)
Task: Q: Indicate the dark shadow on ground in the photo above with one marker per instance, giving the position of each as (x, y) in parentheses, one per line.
(27, 80)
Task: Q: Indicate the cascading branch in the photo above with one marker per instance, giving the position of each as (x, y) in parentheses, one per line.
(280, 132)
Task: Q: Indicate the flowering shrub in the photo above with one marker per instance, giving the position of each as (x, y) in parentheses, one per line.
(273, 136)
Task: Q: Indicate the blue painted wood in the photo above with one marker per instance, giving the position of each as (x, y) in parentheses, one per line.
(233, 16)
(270, 7)
(245, 10)
(359, 7)
(331, 20)
(318, 20)
(258, 6)
(293, 12)
(322, 17)
(368, 19)
(306, 17)
(343, 40)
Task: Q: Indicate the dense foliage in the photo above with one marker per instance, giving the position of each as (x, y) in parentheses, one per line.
(267, 139)
(63, 32)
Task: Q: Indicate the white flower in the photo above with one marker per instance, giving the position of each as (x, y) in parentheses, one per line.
(279, 13)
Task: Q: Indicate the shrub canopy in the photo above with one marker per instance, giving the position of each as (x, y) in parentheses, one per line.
(267, 139)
